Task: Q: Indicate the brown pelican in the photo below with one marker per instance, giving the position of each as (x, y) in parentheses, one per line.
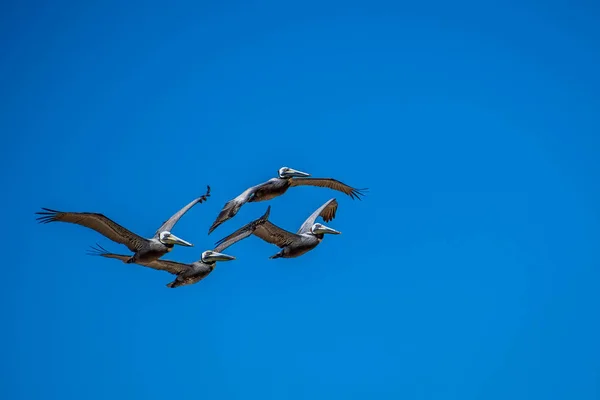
(291, 244)
(274, 187)
(188, 274)
(145, 250)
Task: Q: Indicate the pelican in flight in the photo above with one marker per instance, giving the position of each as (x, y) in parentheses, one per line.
(188, 274)
(145, 250)
(274, 187)
(291, 244)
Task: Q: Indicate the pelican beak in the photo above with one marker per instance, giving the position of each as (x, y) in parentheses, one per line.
(295, 173)
(326, 229)
(214, 256)
(175, 240)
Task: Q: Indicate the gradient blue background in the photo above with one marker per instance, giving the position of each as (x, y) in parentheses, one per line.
(470, 271)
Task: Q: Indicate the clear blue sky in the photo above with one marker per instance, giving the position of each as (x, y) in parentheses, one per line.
(470, 271)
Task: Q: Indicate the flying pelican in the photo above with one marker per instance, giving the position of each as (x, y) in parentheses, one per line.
(291, 244)
(145, 250)
(274, 187)
(188, 274)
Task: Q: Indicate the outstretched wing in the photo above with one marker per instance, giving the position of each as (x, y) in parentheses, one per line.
(331, 184)
(170, 223)
(97, 222)
(326, 211)
(241, 233)
(161, 265)
(232, 207)
(271, 233)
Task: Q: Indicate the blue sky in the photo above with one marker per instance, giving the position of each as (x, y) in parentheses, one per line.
(469, 271)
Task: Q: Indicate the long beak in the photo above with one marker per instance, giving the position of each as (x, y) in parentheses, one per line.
(326, 229)
(179, 241)
(295, 173)
(220, 257)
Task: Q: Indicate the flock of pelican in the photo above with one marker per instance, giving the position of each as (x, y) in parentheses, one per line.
(148, 252)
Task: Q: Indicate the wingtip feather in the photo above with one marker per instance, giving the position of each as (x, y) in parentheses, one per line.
(212, 228)
(46, 216)
(205, 196)
(96, 250)
(357, 194)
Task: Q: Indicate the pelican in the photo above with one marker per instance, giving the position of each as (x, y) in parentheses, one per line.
(291, 244)
(287, 177)
(188, 274)
(145, 250)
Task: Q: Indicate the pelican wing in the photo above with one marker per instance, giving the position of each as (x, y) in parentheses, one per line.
(231, 208)
(326, 211)
(97, 222)
(271, 233)
(241, 233)
(170, 223)
(331, 184)
(162, 265)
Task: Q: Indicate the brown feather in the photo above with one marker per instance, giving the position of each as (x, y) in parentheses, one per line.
(327, 211)
(271, 233)
(172, 267)
(98, 222)
(241, 233)
(331, 184)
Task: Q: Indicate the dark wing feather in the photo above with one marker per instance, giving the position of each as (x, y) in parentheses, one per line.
(331, 184)
(241, 233)
(162, 265)
(97, 222)
(231, 208)
(326, 211)
(170, 223)
(271, 233)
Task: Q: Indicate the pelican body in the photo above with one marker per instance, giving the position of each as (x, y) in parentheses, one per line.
(291, 244)
(156, 247)
(145, 250)
(199, 269)
(304, 243)
(274, 187)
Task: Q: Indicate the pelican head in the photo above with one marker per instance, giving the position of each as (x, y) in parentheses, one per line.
(210, 256)
(318, 229)
(168, 238)
(286, 172)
